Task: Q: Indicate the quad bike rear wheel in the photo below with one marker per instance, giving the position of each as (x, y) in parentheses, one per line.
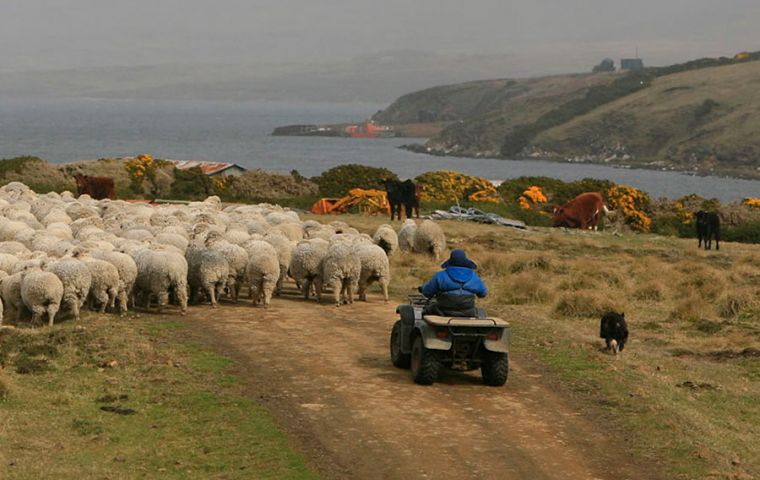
(425, 365)
(398, 358)
(495, 369)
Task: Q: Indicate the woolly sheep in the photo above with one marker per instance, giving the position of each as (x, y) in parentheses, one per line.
(293, 231)
(7, 262)
(386, 238)
(76, 279)
(160, 273)
(208, 272)
(429, 238)
(263, 271)
(127, 270)
(11, 294)
(284, 248)
(306, 263)
(237, 259)
(406, 235)
(341, 269)
(172, 239)
(104, 287)
(41, 293)
(374, 267)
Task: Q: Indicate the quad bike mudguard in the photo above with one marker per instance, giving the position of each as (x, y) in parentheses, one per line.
(431, 324)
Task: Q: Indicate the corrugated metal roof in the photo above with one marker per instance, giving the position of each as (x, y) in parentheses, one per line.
(209, 168)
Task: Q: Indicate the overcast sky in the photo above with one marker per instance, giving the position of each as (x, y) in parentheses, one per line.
(41, 34)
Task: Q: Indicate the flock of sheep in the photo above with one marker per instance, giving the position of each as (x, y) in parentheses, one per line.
(58, 251)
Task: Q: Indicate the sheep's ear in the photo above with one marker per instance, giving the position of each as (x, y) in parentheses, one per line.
(622, 314)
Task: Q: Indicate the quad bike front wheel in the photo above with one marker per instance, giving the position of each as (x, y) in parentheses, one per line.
(495, 369)
(398, 358)
(425, 365)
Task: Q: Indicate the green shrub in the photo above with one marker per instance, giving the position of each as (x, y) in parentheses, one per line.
(747, 233)
(262, 186)
(191, 184)
(337, 181)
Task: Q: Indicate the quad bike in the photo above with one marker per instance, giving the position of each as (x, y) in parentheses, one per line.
(427, 343)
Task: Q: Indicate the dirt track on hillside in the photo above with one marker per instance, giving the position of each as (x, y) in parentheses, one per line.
(325, 374)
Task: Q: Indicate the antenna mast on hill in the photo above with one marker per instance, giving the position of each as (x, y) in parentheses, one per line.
(637, 51)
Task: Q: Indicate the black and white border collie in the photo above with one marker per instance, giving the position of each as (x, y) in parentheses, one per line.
(614, 331)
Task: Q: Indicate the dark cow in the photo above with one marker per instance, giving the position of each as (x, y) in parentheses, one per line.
(96, 187)
(708, 226)
(584, 211)
(402, 194)
(614, 331)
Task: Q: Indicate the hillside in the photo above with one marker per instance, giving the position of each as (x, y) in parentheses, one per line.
(698, 116)
(479, 112)
(705, 120)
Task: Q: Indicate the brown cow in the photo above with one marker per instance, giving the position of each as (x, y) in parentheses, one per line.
(584, 211)
(96, 187)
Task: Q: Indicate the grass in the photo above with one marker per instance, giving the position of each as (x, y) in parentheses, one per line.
(174, 410)
(693, 316)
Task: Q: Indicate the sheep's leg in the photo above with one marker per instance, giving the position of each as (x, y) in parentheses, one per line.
(318, 288)
(350, 287)
(210, 292)
(337, 287)
(123, 301)
(163, 300)
(306, 288)
(181, 292)
(75, 309)
(384, 286)
(52, 311)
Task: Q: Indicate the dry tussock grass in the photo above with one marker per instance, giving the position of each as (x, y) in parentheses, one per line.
(523, 288)
(588, 303)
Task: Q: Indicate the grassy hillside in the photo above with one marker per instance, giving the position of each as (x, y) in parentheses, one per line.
(702, 120)
(698, 116)
(478, 113)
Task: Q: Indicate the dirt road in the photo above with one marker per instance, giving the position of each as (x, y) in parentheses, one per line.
(325, 374)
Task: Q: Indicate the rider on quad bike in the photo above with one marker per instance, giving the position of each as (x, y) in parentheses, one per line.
(454, 288)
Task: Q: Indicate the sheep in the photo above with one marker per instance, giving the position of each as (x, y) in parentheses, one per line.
(237, 259)
(208, 271)
(374, 267)
(127, 270)
(341, 269)
(160, 273)
(172, 239)
(292, 230)
(429, 238)
(262, 271)
(406, 235)
(104, 287)
(3, 275)
(284, 248)
(11, 294)
(7, 262)
(76, 279)
(306, 263)
(386, 238)
(41, 293)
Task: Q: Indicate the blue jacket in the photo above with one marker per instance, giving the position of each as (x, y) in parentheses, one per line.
(455, 280)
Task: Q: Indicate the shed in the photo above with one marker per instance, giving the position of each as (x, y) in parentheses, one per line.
(212, 169)
(631, 64)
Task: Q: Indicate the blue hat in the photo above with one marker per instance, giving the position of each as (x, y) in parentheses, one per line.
(459, 259)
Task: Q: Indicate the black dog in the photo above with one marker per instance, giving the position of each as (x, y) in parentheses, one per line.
(614, 331)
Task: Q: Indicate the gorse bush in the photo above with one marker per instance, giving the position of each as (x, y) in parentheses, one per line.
(191, 184)
(337, 181)
(448, 186)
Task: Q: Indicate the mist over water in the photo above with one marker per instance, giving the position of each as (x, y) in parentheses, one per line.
(67, 130)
